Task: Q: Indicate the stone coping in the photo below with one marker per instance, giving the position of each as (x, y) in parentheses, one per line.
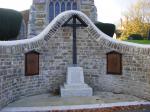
(19, 46)
(110, 106)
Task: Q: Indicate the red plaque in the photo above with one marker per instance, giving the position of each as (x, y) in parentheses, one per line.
(32, 63)
(114, 63)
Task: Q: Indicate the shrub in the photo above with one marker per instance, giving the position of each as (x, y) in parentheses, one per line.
(10, 23)
(135, 37)
(106, 28)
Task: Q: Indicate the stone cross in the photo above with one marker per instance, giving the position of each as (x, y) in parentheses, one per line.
(74, 22)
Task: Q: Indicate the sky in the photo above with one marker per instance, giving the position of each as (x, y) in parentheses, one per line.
(109, 11)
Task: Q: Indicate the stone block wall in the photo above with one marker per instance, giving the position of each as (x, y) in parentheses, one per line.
(55, 47)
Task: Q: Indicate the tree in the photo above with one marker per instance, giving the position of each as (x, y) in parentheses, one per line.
(137, 19)
(10, 23)
(106, 28)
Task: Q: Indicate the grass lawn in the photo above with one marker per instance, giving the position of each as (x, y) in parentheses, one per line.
(139, 41)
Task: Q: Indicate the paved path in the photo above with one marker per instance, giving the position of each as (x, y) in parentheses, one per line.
(50, 100)
(136, 111)
(100, 99)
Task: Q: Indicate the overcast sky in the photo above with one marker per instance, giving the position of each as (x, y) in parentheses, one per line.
(108, 10)
(111, 10)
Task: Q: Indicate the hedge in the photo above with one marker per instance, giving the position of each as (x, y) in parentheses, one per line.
(106, 28)
(135, 37)
(10, 23)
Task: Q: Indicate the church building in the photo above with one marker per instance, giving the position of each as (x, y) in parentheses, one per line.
(42, 12)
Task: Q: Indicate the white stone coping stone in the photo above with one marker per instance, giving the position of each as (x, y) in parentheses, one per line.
(46, 30)
(74, 107)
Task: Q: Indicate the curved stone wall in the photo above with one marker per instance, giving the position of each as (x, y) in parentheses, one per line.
(55, 47)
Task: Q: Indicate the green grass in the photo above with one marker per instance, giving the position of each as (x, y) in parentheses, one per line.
(139, 41)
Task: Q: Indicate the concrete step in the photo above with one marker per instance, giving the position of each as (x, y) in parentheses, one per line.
(75, 86)
(121, 107)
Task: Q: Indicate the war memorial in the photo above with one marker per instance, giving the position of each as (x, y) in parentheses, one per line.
(67, 58)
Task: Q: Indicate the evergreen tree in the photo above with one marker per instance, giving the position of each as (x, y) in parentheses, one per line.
(10, 23)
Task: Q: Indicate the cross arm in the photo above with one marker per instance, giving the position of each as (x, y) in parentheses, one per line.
(73, 25)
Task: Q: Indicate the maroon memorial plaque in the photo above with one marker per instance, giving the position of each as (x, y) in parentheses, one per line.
(114, 63)
(31, 63)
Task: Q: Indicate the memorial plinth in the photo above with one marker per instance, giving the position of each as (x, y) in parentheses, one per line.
(75, 85)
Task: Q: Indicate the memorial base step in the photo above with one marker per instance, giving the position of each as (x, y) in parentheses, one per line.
(74, 91)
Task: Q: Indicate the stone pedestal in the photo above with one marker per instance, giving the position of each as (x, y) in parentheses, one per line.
(75, 85)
